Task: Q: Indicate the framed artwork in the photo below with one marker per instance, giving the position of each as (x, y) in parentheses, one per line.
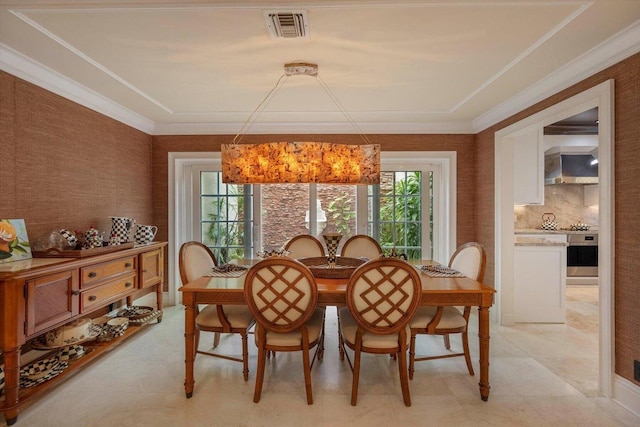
(14, 243)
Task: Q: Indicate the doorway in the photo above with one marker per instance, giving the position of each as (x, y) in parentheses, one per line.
(601, 97)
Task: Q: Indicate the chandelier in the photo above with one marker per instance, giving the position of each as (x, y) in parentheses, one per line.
(300, 162)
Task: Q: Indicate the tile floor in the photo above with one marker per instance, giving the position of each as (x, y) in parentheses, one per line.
(541, 375)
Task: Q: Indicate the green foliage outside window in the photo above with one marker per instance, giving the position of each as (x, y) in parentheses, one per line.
(341, 212)
(400, 216)
(225, 232)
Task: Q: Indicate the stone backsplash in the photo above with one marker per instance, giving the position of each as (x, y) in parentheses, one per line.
(565, 201)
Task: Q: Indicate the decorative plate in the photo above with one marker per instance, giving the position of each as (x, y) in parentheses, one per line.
(227, 268)
(135, 311)
(139, 314)
(40, 369)
(70, 353)
(439, 270)
(274, 252)
(27, 382)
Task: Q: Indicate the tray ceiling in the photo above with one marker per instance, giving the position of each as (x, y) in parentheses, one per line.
(409, 67)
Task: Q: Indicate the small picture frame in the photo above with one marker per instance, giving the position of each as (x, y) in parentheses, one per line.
(14, 243)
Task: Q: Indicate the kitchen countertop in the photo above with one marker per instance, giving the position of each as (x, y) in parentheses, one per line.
(538, 231)
(537, 241)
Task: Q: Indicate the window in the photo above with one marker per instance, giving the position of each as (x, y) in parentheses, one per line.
(412, 209)
(226, 218)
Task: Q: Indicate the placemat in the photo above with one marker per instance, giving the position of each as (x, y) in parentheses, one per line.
(227, 270)
(226, 273)
(438, 270)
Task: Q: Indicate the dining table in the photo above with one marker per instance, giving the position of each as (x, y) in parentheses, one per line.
(228, 289)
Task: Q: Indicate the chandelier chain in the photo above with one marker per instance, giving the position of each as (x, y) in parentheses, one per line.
(267, 99)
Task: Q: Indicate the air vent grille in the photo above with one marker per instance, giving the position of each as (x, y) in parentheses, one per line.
(287, 25)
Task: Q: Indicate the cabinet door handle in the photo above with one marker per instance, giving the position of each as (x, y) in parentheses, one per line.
(92, 297)
(128, 265)
(75, 293)
(128, 285)
(93, 274)
(144, 271)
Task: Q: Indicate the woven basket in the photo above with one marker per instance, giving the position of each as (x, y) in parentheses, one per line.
(344, 268)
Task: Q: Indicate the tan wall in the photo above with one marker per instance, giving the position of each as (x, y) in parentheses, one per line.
(627, 193)
(65, 166)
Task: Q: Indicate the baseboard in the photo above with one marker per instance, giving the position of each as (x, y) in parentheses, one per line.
(626, 394)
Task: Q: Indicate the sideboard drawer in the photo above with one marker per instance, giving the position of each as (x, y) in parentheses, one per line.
(92, 275)
(106, 293)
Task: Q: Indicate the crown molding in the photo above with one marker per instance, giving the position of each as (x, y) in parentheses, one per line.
(34, 72)
(611, 51)
(313, 128)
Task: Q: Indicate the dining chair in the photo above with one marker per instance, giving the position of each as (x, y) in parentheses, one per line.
(469, 259)
(282, 294)
(382, 296)
(361, 245)
(196, 260)
(304, 246)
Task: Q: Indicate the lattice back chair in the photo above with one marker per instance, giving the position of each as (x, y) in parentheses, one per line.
(361, 245)
(382, 296)
(196, 260)
(282, 295)
(469, 259)
(304, 246)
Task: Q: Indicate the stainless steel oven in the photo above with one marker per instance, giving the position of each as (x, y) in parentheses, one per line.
(582, 255)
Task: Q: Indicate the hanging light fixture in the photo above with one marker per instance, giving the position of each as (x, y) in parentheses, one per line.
(300, 162)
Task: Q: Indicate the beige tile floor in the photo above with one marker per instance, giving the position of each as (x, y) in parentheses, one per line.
(541, 375)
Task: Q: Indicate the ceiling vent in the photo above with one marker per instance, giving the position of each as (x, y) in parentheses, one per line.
(287, 25)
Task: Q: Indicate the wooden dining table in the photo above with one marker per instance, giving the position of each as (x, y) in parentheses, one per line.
(436, 291)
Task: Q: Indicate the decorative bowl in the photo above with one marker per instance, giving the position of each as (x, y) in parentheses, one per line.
(344, 266)
(116, 326)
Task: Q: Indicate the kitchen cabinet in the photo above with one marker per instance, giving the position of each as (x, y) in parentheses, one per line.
(540, 275)
(528, 167)
(41, 294)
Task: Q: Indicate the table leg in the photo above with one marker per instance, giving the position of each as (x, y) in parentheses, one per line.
(483, 335)
(11, 384)
(189, 342)
(159, 301)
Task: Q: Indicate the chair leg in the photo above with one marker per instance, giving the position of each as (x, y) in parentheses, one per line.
(467, 355)
(307, 375)
(447, 343)
(262, 361)
(196, 343)
(216, 339)
(404, 381)
(412, 355)
(245, 356)
(356, 377)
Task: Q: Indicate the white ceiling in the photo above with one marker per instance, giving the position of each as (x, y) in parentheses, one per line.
(169, 67)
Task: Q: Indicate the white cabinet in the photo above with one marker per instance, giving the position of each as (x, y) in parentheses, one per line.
(540, 275)
(528, 167)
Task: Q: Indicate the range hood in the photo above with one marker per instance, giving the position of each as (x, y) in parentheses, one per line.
(563, 168)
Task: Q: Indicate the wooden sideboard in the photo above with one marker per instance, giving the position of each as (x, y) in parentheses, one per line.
(41, 294)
